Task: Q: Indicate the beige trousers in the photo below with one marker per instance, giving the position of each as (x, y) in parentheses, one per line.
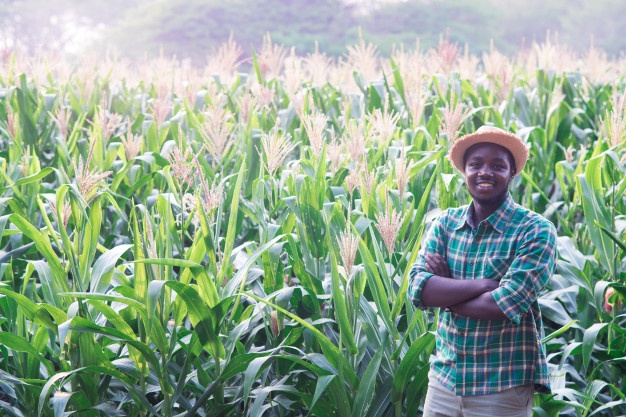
(442, 402)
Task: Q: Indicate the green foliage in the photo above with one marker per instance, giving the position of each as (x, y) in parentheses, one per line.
(184, 244)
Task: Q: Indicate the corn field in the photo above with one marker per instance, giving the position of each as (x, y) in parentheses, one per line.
(235, 240)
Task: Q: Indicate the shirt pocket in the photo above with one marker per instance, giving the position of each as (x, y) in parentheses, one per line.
(496, 268)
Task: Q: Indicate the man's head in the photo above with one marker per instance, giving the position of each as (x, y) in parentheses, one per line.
(509, 155)
(488, 170)
(489, 134)
(489, 158)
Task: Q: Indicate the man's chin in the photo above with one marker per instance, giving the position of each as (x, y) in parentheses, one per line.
(489, 201)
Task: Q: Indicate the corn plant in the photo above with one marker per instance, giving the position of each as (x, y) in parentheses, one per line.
(184, 241)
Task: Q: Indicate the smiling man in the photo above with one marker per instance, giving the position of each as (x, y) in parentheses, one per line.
(484, 265)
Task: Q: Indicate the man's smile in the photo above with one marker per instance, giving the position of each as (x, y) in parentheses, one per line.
(485, 184)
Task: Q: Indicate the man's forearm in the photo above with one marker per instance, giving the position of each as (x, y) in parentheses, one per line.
(444, 292)
(480, 307)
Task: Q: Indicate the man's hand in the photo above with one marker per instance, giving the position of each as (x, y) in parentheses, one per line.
(437, 264)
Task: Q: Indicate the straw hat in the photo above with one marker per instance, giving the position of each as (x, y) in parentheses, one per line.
(489, 134)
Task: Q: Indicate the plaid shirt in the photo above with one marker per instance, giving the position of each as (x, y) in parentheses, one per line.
(517, 247)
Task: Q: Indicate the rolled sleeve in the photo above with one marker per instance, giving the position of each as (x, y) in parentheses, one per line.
(417, 280)
(419, 274)
(529, 271)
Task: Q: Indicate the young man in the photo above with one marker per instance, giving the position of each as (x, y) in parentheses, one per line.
(484, 264)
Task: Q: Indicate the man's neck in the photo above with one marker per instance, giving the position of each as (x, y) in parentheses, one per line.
(483, 211)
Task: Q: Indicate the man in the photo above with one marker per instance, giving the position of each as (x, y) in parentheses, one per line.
(484, 264)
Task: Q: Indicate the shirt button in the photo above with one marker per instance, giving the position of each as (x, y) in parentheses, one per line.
(472, 263)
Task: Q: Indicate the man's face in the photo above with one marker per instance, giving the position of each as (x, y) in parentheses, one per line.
(488, 171)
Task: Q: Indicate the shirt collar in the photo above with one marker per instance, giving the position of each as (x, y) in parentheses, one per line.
(498, 219)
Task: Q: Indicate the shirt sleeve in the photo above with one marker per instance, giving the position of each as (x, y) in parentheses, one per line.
(434, 243)
(529, 271)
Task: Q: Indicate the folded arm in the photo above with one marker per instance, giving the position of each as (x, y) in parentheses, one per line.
(471, 298)
(431, 283)
(509, 298)
(481, 307)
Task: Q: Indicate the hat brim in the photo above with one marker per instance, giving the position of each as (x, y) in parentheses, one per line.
(507, 140)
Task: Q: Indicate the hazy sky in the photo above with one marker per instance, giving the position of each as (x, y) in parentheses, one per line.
(58, 23)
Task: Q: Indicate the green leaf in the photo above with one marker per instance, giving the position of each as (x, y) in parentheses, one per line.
(323, 381)
(414, 359)
(416, 390)
(20, 344)
(103, 268)
(198, 271)
(314, 229)
(341, 311)
(59, 377)
(205, 319)
(251, 374)
(26, 104)
(364, 394)
(613, 237)
(299, 268)
(80, 324)
(238, 281)
(49, 287)
(30, 179)
(43, 246)
(558, 332)
(231, 232)
(589, 341)
(331, 352)
(120, 324)
(381, 400)
(553, 310)
(374, 99)
(30, 309)
(596, 213)
(377, 287)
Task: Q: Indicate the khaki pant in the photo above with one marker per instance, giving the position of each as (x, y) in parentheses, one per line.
(514, 402)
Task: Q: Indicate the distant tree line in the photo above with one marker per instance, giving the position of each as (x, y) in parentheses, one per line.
(194, 28)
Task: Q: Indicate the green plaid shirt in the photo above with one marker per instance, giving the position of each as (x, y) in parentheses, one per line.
(517, 247)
